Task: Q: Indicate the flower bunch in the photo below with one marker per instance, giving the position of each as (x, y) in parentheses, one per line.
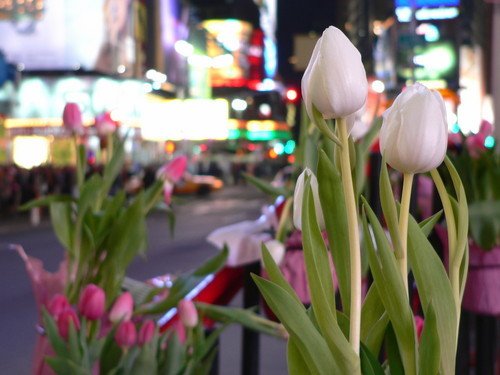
(88, 338)
(328, 209)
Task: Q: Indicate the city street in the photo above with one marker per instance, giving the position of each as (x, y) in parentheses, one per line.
(195, 218)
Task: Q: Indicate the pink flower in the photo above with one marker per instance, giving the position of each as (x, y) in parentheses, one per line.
(126, 334)
(187, 313)
(146, 332)
(92, 302)
(104, 124)
(66, 318)
(419, 324)
(122, 308)
(454, 139)
(475, 144)
(72, 118)
(168, 190)
(57, 305)
(486, 128)
(174, 169)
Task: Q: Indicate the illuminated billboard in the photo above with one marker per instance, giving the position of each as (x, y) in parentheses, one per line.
(95, 35)
(427, 3)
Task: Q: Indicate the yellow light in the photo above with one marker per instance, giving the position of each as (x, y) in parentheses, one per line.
(30, 152)
(266, 125)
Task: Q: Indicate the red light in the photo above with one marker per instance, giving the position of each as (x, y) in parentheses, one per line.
(292, 95)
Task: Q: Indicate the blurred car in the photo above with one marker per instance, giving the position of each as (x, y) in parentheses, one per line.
(197, 184)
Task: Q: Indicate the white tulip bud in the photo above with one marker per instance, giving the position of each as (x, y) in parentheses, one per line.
(414, 133)
(298, 197)
(335, 79)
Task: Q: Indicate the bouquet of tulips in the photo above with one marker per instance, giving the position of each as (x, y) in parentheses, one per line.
(91, 340)
(350, 335)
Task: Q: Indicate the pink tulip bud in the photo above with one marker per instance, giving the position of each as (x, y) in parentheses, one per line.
(92, 302)
(146, 332)
(66, 318)
(187, 312)
(126, 334)
(475, 144)
(104, 124)
(72, 118)
(486, 128)
(419, 324)
(122, 308)
(57, 305)
(174, 169)
(168, 190)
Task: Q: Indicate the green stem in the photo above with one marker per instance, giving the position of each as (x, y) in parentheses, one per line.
(354, 245)
(110, 147)
(403, 227)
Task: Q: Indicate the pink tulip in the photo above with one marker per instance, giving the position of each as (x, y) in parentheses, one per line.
(475, 144)
(126, 334)
(72, 118)
(187, 313)
(92, 302)
(57, 305)
(104, 124)
(168, 191)
(122, 308)
(146, 332)
(454, 139)
(64, 320)
(486, 128)
(173, 170)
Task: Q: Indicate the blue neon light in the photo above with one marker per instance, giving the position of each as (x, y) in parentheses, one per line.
(427, 3)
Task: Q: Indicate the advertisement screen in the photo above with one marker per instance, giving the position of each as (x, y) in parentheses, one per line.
(95, 35)
(427, 3)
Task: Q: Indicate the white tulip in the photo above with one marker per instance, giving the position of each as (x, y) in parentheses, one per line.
(298, 197)
(414, 133)
(335, 78)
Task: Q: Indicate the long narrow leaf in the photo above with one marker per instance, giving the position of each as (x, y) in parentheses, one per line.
(296, 362)
(266, 187)
(429, 352)
(293, 316)
(391, 290)
(331, 195)
(433, 285)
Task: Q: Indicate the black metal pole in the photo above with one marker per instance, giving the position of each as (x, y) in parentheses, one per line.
(250, 347)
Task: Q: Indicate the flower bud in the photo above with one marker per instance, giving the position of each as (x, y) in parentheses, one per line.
(57, 305)
(146, 332)
(72, 118)
(122, 308)
(92, 302)
(126, 334)
(298, 197)
(173, 170)
(414, 133)
(335, 78)
(104, 124)
(419, 325)
(66, 318)
(187, 313)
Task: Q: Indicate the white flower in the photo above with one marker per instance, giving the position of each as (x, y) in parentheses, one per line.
(298, 197)
(414, 133)
(335, 78)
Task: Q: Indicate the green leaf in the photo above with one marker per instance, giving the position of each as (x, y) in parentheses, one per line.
(296, 362)
(111, 211)
(369, 363)
(244, 317)
(389, 209)
(81, 162)
(173, 358)
(373, 320)
(389, 282)
(113, 168)
(319, 277)
(433, 285)
(89, 193)
(275, 274)
(266, 187)
(484, 219)
(152, 195)
(293, 316)
(429, 351)
(393, 354)
(58, 344)
(62, 223)
(323, 126)
(65, 366)
(464, 270)
(331, 195)
(45, 201)
(185, 283)
(428, 224)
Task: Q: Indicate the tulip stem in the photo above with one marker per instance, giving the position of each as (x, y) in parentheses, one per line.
(354, 245)
(403, 226)
(282, 225)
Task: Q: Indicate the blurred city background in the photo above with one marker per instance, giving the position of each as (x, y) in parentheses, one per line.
(216, 80)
